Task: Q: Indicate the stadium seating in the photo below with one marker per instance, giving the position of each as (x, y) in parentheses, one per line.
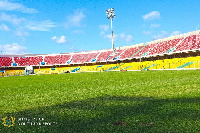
(86, 57)
(143, 50)
(64, 58)
(56, 59)
(129, 52)
(27, 61)
(185, 42)
(42, 71)
(113, 67)
(104, 55)
(5, 61)
(189, 43)
(51, 60)
(175, 63)
(159, 48)
(168, 46)
(115, 56)
(12, 73)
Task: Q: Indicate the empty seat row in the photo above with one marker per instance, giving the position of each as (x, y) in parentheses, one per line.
(86, 57)
(104, 55)
(5, 61)
(27, 61)
(56, 59)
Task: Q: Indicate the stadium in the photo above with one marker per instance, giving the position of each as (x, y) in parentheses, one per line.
(147, 87)
(176, 52)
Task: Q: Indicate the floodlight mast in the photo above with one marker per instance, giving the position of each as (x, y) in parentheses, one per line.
(110, 15)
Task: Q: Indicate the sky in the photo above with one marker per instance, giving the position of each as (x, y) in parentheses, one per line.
(63, 26)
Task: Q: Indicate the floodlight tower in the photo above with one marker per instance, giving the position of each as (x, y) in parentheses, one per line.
(110, 15)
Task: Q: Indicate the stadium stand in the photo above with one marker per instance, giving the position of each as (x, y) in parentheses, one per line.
(128, 57)
(163, 47)
(84, 58)
(11, 72)
(64, 59)
(115, 56)
(129, 52)
(104, 55)
(27, 61)
(175, 63)
(57, 59)
(5, 61)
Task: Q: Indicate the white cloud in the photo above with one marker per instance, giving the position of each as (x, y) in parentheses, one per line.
(109, 36)
(81, 50)
(122, 36)
(11, 18)
(61, 39)
(104, 27)
(152, 15)
(146, 32)
(21, 32)
(127, 38)
(162, 35)
(45, 25)
(175, 33)
(8, 6)
(78, 32)
(154, 26)
(102, 33)
(4, 27)
(13, 48)
(72, 48)
(75, 20)
(54, 38)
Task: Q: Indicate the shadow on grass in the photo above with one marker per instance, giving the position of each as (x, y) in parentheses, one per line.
(112, 114)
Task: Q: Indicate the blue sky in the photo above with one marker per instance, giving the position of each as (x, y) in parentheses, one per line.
(52, 26)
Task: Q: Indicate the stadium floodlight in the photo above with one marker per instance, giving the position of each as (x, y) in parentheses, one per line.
(110, 15)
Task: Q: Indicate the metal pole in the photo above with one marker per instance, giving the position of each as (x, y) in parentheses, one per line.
(112, 36)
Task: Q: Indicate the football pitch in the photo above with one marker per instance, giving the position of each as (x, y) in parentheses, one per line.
(138, 102)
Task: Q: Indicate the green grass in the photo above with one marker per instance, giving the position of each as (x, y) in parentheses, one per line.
(139, 102)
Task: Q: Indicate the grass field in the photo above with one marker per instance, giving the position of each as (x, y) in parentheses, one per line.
(139, 102)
